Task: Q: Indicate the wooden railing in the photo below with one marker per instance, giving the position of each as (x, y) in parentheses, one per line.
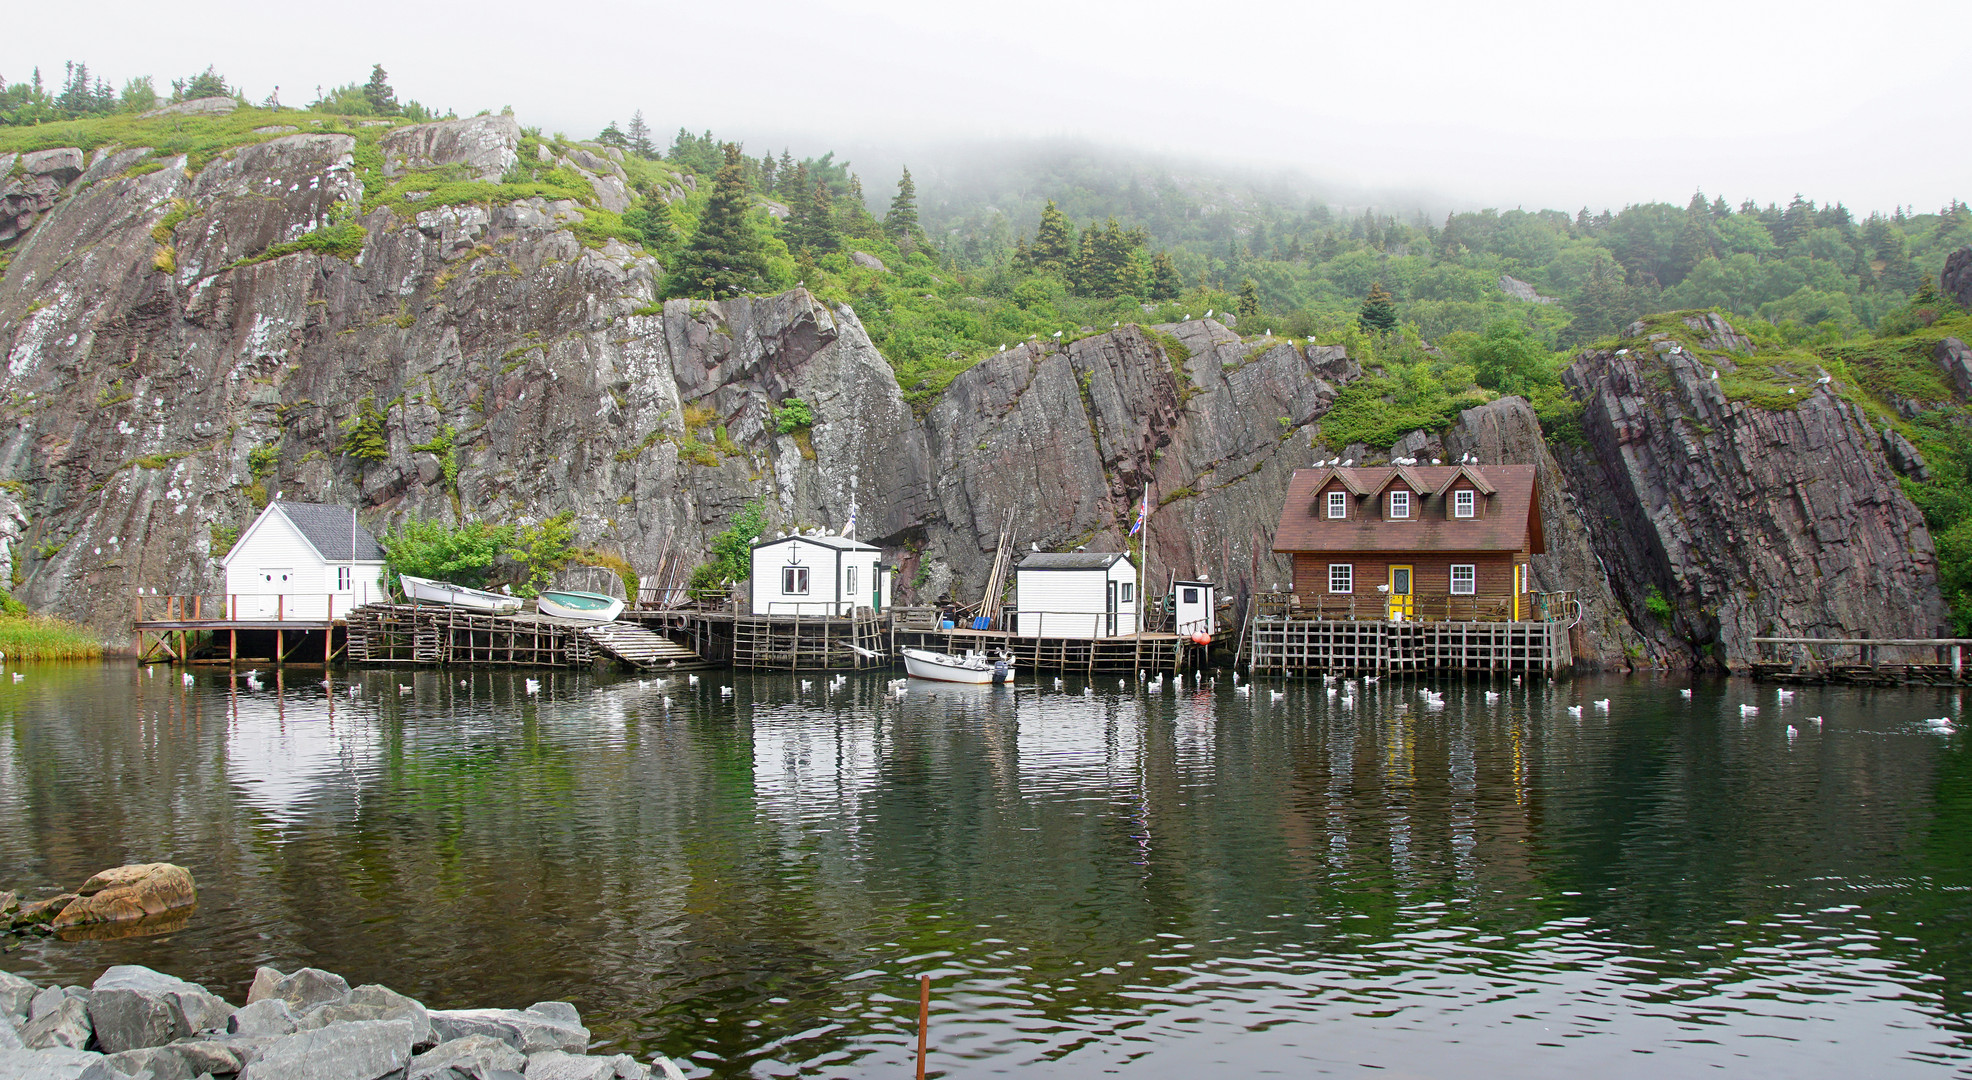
(241, 607)
(1422, 607)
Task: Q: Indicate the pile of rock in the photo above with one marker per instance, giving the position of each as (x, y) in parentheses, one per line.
(126, 900)
(139, 1024)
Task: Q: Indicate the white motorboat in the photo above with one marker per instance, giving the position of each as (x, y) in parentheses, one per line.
(580, 606)
(427, 591)
(944, 667)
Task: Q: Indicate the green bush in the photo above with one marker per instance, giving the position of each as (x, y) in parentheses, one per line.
(732, 551)
(462, 555)
(1655, 603)
(793, 415)
(543, 550)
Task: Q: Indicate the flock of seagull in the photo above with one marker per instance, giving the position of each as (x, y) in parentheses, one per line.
(1346, 463)
(1344, 692)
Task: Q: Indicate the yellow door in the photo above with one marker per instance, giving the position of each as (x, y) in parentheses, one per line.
(1400, 593)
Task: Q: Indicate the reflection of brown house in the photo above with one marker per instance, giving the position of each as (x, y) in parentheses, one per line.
(1445, 542)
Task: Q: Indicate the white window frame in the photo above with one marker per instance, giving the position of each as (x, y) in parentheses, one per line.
(1471, 582)
(850, 585)
(1338, 504)
(1190, 597)
(1126, 592)
(1465, 503)
(1400, 504)
(790, 575)
(345, 577)
(1343, 574)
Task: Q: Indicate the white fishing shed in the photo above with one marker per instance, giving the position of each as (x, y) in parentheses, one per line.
(1075, 594)
(1194, 608)
(303, 561)
(817, 574)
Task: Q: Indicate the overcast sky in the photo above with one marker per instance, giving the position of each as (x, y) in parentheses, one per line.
(1539, 103)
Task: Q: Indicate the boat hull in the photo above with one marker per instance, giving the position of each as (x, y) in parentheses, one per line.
(427, 591)
(552, 603)
(943, 667)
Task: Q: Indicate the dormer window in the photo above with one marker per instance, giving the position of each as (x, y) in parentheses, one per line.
(1464, 503)
(1338, 504)
(1400, 504)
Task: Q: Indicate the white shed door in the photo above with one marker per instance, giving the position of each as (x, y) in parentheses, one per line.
(274, 582)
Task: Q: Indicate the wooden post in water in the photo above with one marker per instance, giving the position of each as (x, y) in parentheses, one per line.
(924, 1018)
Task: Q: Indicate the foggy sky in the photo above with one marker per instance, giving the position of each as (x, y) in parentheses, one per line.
(1536, 104)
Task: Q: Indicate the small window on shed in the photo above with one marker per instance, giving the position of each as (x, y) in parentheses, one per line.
(794, 581)
(1341, 577)
(1400, 504)
(1125, 592)
(1338, 504)
(342, 579)
(1464, 503)
(1191, 596)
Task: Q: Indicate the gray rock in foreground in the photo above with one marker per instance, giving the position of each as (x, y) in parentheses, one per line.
(64, 1023)
(132, 1007)
(60, 1064)
(474, 1057)
(357, 1050)
(549, 1025)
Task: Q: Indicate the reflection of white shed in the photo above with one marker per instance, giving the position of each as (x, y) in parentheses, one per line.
(1193, 608)
(1075, 594)
(303, 561)
(818, 575)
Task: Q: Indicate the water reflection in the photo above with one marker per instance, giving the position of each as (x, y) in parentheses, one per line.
(1149, 882)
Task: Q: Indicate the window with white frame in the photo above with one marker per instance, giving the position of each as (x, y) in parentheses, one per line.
(794, 581)
(852, 581)
(1465, 579)
(342, 578)
(1338, 504)
(1400, 504)
(1464, 503)
(1341, 577)
(1125, 592)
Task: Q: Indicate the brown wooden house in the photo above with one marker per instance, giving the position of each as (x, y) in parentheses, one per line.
(1443, 542)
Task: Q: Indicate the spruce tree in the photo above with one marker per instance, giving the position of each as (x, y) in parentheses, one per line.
(785, 173)
(613, 136)
(639, 133)
(1165, 283)
(379, 94)
(1054, 242)
(811, 228)
(1249, 300)
(726, 257)
(1603, 307)
(1379, 311)
(902, 220)
(768, 172)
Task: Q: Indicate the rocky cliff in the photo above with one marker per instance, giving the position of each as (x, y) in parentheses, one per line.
(182, 343)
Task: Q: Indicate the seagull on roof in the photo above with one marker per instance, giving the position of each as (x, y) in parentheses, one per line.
(1034, 544)
(1434, 461)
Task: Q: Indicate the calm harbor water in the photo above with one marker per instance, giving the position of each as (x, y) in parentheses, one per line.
(1149, 883)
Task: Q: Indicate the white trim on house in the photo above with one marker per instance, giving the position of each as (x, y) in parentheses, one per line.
(1341, 577)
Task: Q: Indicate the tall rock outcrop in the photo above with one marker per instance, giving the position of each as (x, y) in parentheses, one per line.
(1750, 521)
(174, 359)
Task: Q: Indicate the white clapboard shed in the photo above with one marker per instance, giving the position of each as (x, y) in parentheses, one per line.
(1193, 608)
(1075, 594)
(801, 574)
(303, 561)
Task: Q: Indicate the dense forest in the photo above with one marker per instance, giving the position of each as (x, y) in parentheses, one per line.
(1444, 313)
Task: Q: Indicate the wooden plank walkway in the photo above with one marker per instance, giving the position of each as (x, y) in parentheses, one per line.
(1861, 661)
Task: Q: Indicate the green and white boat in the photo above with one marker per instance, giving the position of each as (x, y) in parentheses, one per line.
(579, 606)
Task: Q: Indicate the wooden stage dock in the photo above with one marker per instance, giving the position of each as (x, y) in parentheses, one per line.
(1861, 661)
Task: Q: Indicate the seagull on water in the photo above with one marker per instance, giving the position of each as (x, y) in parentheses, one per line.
(1575, 711)
(1749, 710)
(533, 686)
(1685, 693)
(1602, 704)
(188, 679)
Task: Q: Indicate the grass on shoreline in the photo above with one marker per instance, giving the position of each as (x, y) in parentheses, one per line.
(40, 637)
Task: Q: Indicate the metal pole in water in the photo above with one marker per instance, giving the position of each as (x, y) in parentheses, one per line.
(924, 1018)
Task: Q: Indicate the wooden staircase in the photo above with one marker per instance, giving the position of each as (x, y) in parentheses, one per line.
(640, 648)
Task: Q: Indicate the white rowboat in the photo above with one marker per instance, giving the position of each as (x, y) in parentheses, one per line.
(580, 606)
(427, 591)
(944, 667)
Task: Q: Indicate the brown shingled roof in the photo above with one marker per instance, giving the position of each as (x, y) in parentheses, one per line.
(1509, 516)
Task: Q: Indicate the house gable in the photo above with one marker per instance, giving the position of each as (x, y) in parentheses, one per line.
(1506, 518)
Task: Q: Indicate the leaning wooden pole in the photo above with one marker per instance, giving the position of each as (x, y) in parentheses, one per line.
(924, 1019)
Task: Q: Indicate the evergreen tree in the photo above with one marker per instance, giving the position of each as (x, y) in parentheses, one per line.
(726, 257)
(1054, 242)
(768, 173)
(613, 136)
(1379, 311)
(1249, 300)
(902, 220)
(1165, 284)
(1603, 307)
(639, 134)
(208, 83)
(1083, 270)
(785, 173)
(811, 229)
(382, 99)
(1023, 259)
(651, 219)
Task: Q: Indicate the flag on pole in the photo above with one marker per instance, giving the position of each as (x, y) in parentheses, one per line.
(1143, 511)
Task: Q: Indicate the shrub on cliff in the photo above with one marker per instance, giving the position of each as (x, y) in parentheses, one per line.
(462, 555)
